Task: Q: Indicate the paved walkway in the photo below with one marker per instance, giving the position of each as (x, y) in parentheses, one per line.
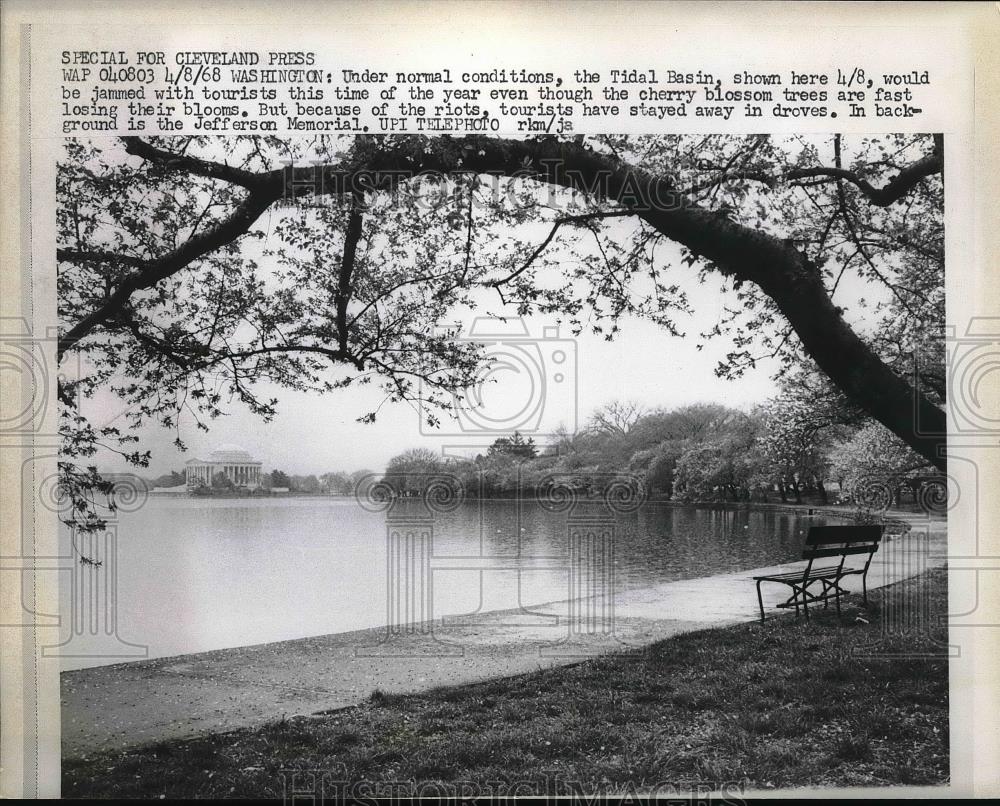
(116, 707)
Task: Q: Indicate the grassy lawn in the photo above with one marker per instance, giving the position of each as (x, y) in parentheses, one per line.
(787, 703)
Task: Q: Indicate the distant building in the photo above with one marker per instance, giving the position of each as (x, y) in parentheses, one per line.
(231, 461)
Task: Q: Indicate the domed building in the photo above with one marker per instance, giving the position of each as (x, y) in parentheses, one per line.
(231, 461)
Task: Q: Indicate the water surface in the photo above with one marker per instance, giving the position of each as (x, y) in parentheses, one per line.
(195, 574)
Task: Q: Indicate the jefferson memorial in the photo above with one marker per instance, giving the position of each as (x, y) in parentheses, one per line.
(231, 461)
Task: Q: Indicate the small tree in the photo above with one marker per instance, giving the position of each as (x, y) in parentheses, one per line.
(280, 479)
(660, 472)
(722, 467)
(171, 479)
(616, 418)
(359, 479)
(516, 446)
(874, 459)
(305, 484)
(336, 483)
(411, 471)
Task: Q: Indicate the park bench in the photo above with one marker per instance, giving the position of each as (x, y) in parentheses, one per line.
(823, 542)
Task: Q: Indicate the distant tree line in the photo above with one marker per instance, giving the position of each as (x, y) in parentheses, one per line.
(332, 483)
(807, 444)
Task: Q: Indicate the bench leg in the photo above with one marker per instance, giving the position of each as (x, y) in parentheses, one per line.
(864, 587)
(760, 601)
(793, 599)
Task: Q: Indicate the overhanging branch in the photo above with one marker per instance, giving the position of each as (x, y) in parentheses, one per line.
(897, 188)
(173, 161)
(151, 272)
(775, 265)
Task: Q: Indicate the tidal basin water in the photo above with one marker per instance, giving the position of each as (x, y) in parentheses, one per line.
(195, 574)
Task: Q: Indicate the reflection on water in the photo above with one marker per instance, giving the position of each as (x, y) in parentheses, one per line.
(196, 574)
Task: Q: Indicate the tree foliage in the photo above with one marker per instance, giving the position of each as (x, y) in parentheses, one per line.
(191, 269)
(515, 445)
(278, 478)
(778, 452)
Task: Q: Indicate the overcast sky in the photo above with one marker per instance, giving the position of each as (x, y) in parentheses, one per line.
(315, 433)
(318, 433)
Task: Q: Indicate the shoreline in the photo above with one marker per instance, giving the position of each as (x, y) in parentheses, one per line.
(191, 694)
(894, 517)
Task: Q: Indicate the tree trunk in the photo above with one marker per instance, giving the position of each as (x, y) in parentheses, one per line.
(796, 287)
(776, 266)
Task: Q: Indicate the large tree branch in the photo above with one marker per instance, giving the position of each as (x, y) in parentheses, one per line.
(201, 358)
(173, 161)
(552, 234)
(337, 356)
(226, 231)
(785, 275)
(776, 266)
(342, 297)
(897, 188)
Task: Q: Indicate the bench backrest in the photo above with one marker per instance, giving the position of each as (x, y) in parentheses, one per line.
(839, 541)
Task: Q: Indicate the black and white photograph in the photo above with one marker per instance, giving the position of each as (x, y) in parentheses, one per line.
(476, 465)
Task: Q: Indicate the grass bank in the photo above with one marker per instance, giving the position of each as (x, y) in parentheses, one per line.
(831, 702)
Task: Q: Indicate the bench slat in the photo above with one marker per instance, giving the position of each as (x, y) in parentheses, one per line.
(838, 551)
(820, 535)
(830, 570)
